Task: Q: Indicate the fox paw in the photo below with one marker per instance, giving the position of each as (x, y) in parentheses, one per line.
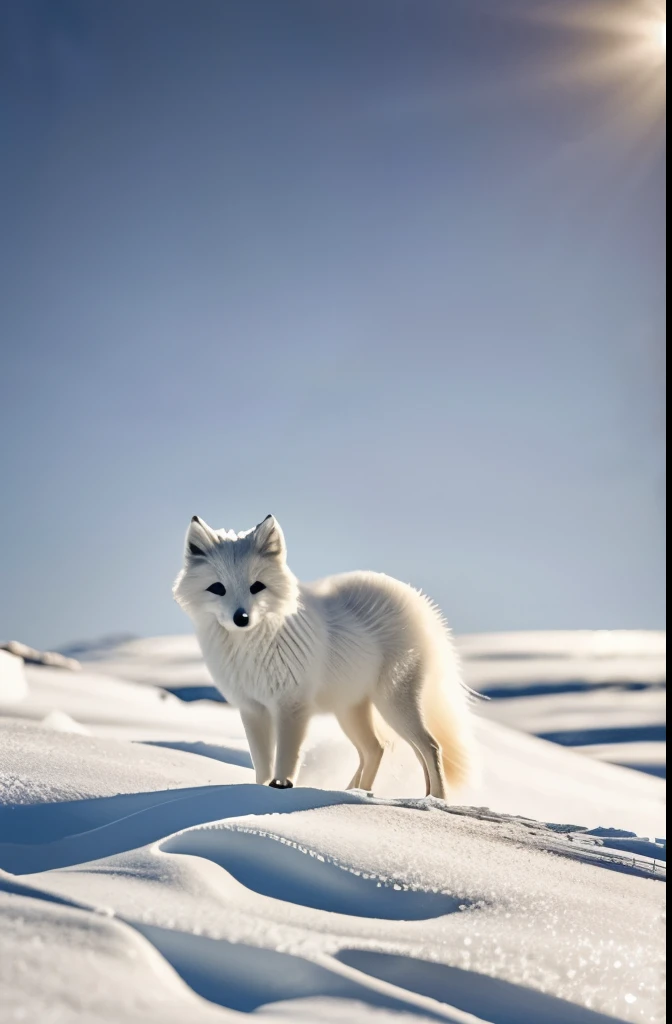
(277, 784)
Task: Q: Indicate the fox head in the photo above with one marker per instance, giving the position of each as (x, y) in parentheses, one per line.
(240, 579)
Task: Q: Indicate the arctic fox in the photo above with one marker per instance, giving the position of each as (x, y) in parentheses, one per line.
(282, 651)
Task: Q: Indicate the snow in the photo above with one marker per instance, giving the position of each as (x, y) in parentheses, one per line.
(143, 876)
(47, 950)
(39, 766)
(646, 757)
(61, 722)
(587, 646)
(559, 789)
(583, 688)
(172, 662)
(13, 687)
(601, 692)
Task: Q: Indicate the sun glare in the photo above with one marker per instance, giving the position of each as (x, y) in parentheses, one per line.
(662, 35)
(627, 35)
(621, 51)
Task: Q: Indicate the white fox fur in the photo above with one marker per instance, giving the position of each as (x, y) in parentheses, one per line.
(346, 645)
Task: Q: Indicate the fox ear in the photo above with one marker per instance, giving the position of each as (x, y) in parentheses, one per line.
(199, 538)
(269, 539)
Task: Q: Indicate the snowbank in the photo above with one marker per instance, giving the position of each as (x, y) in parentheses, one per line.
(144, 877)
(13, 685)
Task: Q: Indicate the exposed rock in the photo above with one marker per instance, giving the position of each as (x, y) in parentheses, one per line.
(33, 657)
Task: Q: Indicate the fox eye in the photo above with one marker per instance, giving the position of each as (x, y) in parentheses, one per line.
(194, 550)
(257, 587)
(217, 588)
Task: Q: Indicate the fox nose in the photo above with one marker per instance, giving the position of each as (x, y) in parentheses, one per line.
(241, 618)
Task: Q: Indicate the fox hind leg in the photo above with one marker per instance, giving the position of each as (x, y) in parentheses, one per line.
(358, 725)
(401, 710)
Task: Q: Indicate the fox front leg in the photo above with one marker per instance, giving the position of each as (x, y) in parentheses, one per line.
(291, 725)
(258, 726)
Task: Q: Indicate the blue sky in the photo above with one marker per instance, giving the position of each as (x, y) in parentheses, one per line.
(392, 271)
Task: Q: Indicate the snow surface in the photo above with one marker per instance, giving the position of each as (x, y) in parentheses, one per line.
(601, 692)
(143, 876)
(13, 686)
(542, 683)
